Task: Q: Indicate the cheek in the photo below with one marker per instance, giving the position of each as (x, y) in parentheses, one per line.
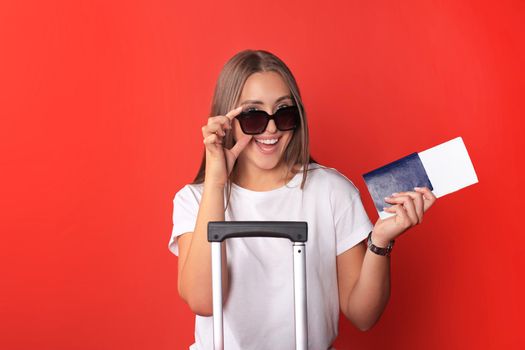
(287, 138)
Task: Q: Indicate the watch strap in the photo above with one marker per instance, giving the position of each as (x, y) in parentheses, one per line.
(379, 250)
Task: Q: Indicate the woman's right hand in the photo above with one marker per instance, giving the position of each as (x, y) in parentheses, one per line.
(219, 160)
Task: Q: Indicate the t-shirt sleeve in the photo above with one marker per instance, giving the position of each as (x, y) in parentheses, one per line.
(185, 210)
(352, 224)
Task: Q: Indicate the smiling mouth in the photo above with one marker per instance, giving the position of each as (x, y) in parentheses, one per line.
(268, 141)
(267, 146)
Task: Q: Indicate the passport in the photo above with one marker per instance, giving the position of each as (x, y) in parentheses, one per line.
(398, 176)
(444, 169)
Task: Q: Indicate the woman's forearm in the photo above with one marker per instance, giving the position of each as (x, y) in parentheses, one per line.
(371, 292)
(196, 286)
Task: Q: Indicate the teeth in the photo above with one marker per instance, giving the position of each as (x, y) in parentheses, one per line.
(268, 142)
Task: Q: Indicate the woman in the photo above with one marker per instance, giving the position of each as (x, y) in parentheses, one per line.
(259, 168)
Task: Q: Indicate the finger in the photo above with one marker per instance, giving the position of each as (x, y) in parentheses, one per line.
(408, 204)
(234, 112)
(212, 139)
(240, 145)
(428, 197)
(219, 119)
(401, 217)
(222, 120)
(418, 202)
(218, 124)
(214, 128)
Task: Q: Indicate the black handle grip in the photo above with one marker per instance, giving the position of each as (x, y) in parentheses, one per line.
(295, 231)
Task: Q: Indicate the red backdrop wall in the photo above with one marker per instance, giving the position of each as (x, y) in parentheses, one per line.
(101, 105)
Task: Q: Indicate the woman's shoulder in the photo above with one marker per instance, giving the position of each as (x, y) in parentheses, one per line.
(329, 178)
(190, 191)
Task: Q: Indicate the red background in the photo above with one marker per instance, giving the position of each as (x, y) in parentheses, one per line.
(101, 105)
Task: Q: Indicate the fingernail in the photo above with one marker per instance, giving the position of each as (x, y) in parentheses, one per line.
(387, 198)
(417, 188)
(394, 194)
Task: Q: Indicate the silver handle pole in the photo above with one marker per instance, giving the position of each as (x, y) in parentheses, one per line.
(216, 275)
(299, 286)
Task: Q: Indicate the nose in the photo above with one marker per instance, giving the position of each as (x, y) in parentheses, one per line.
(271, 128)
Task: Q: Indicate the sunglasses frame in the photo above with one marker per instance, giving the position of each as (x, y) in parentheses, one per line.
(246, 114)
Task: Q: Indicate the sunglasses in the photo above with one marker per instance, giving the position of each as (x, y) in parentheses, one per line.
(254, 122)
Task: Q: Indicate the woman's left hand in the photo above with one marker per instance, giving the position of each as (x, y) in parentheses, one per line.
(409, 208)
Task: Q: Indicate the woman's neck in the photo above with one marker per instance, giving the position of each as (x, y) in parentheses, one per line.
(257, 179)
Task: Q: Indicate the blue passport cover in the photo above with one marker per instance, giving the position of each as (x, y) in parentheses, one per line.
(399, 176)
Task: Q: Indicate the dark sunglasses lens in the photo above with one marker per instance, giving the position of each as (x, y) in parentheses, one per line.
(287, 118)
(253, 122)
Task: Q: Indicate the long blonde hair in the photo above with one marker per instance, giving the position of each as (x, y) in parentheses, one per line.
(228, 91)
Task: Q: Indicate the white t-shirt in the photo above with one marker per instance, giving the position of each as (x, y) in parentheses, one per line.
(259, 312)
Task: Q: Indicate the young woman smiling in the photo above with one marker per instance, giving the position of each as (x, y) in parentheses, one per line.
(257, 167)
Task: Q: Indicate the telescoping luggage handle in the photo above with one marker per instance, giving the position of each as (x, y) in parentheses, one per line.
(295, 231)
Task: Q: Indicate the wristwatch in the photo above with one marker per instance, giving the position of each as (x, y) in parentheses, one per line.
(378, 250)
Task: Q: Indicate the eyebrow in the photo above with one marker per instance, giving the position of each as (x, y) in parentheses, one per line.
(257, 102)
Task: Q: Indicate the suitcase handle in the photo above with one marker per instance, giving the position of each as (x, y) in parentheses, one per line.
(295, 231)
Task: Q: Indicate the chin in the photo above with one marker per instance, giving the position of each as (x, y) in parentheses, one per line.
(267, 164)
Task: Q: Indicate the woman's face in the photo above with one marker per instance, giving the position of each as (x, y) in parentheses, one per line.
(264, 91)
